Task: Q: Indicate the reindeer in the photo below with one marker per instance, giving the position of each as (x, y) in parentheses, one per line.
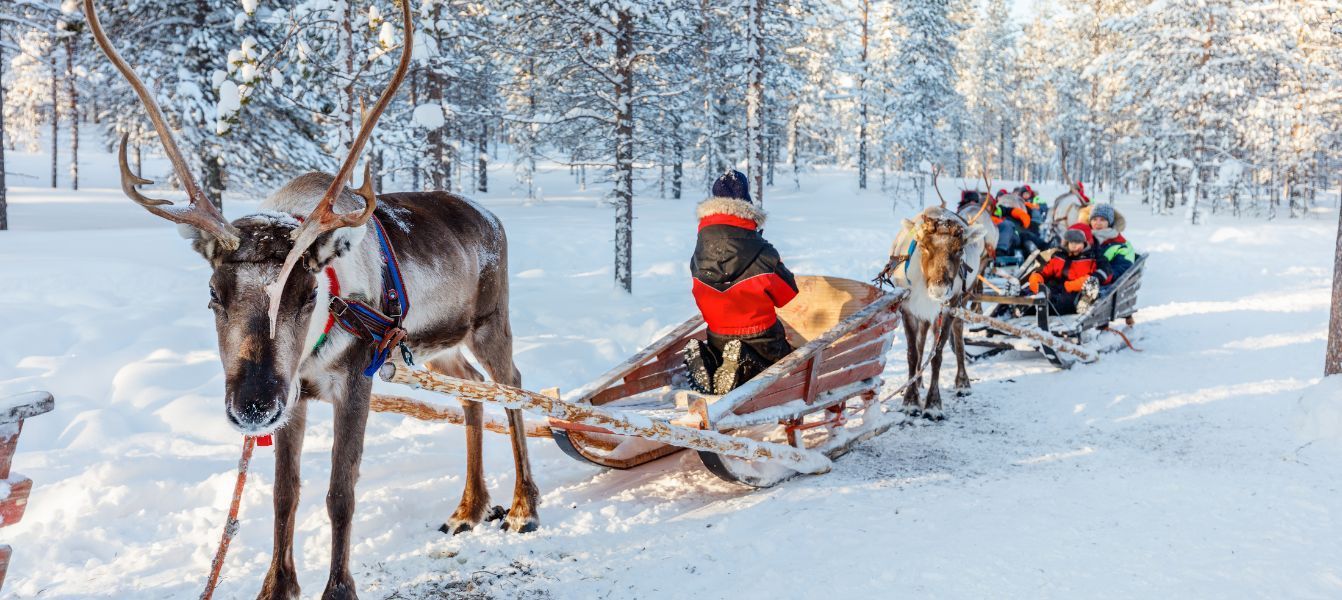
(1066, 209)
(938, 256)
(270, 317)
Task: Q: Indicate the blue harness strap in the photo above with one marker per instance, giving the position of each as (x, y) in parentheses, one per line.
(381, 327)
(912, 246)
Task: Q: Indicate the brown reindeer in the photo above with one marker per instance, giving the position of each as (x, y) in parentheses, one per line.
(453, 255)
(938, 256)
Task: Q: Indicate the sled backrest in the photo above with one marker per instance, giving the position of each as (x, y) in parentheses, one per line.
(821, 303)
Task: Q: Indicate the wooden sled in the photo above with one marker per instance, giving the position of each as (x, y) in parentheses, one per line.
(793, 418)
(842, 330)
(1059, 338)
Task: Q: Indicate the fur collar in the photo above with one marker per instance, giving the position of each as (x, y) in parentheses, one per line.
(719, 205)
(1104, 235)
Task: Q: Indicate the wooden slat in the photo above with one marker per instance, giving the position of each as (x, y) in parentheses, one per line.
(634, 387)
(5, 553)
(23, 406)
(12, 507)
(679, 334)
(828, 381)
(9, 441)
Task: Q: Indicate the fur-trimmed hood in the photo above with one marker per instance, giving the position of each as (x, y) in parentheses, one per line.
(719, 205)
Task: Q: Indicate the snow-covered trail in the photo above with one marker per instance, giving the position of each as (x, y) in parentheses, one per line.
(1176, 471)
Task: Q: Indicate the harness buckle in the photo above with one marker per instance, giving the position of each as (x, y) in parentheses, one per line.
(338, 306)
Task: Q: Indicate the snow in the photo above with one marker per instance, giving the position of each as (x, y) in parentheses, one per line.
(429, 116)
(1320, 415)
(1188, 469)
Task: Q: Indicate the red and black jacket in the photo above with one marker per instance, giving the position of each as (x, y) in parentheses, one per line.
(739, 279)
(1070, 272)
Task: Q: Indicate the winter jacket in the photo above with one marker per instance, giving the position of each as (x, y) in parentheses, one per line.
(1071, 272)
(1116, 250)
(739, 279)
(1013, 207)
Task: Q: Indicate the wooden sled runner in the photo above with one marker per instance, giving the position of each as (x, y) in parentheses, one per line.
(792, 418)
(1059, 338)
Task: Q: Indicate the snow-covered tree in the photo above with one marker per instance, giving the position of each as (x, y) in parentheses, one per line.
(924, 97)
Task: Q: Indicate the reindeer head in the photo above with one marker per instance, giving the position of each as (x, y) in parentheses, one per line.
(942, 237)
(262, 314)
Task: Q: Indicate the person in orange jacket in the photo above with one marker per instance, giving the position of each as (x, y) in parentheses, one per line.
(1073, 275)
(1013, 219)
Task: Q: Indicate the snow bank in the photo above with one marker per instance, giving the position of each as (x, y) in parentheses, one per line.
(1320, 416)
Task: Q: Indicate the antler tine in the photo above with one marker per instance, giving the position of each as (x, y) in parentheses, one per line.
(323, 217)
(1062, 160)
(129, 181)
(200, 212)
(936, 170)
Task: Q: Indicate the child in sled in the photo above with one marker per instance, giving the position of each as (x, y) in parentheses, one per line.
(739, 279)
(1074, 274)
(1106, 226)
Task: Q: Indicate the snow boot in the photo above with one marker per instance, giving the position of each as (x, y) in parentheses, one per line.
(739, 364)
(701, 364)
(1090, 292)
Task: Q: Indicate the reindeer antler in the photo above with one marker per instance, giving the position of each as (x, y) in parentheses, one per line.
(989, 198)
(199, 212)
(324, 217)
(1062, 160)
(936, 170)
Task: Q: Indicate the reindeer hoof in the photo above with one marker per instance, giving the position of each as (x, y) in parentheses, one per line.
(453, 527)
(520, 524)
(496, 513)
(934, 415)
(912, 410)
(961, 392)
(340, 588)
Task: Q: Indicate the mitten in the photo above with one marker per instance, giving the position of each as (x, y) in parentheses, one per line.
(1036, 280)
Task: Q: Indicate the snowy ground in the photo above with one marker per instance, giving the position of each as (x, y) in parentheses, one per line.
(1190, 469)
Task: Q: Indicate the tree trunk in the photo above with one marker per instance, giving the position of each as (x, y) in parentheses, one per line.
(482, 160)
(55, 121)
(624, 151)
(755, 103)
(4, 186)
(214, 180)
(74, 111)
(862, 102)
(1332, 363)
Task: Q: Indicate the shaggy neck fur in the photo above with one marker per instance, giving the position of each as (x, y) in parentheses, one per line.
(719, 205)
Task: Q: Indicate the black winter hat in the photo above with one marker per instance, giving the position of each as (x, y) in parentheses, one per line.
(732, 184)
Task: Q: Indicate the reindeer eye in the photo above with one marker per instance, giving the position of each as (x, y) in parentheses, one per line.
(215, 304)
(312, 298)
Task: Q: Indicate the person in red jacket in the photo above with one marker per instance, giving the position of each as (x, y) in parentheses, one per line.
(738, 281)
(1074, 274)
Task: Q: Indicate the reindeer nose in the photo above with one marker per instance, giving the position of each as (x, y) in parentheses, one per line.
(255, 415)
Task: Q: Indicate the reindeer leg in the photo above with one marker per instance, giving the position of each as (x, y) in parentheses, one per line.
(351, 416)
(282, 580)
(492, 342)
(914, 332)
(474, 505)
(958, 343)
(932, 408)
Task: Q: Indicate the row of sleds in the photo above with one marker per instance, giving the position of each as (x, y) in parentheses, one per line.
(793, 418)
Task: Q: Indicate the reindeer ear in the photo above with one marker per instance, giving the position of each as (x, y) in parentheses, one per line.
(332, 245)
